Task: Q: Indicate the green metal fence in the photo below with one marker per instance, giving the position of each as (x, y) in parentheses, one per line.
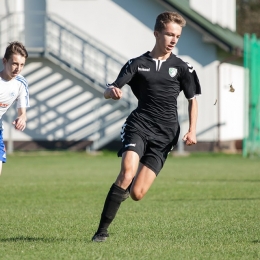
(251, 144)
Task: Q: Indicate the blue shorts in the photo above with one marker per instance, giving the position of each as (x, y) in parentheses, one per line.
(2, 148)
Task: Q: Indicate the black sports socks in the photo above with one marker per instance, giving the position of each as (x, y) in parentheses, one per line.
(112, 203)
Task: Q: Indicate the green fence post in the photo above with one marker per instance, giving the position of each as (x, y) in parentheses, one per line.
(246, 94)
(251, 141)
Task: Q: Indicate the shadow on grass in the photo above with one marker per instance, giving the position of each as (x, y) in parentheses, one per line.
(216, 180)
(256, 241)
(40, 239)
(32, 239)
(207, 199)
(237, 199)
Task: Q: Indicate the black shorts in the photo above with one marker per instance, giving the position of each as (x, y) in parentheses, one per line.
(151, 141)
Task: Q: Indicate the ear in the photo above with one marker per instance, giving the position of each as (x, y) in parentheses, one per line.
(156, 34)
(4, 61)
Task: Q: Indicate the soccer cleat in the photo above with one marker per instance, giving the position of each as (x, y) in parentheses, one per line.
(100, 237)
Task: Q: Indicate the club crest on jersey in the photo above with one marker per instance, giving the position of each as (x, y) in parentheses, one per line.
(172, 72)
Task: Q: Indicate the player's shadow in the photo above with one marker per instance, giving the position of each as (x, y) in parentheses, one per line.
(214, 199)
(39, 239)
(32, 239)
(218, 180)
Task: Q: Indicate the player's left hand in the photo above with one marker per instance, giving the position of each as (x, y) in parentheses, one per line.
(190, 138)
(19, 123)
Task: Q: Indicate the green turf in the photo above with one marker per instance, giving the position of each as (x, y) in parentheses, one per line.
(200, 207)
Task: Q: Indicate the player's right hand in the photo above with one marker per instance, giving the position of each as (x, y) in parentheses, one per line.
(115, 93)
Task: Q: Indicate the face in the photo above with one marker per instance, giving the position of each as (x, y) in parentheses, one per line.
(167, 39)
(13, 66)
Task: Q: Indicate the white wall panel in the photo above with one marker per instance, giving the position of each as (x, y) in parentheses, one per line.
(127, 28)
(231, 103)
(222, 12)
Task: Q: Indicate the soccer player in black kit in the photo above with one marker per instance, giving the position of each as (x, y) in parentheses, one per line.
(152, 129)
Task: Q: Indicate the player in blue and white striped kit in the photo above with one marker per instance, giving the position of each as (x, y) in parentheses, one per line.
(13, 87)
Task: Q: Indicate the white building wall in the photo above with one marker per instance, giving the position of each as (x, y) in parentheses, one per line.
(221, 12)
(231, 103)
(127, 28)
(110, 23)
(129, 37)
(10, 6)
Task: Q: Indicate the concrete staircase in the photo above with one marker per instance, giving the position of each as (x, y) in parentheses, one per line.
(67, 79)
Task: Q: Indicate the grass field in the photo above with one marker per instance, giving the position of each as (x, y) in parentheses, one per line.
(200, 207)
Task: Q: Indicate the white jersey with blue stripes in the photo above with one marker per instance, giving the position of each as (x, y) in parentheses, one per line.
(15, 90)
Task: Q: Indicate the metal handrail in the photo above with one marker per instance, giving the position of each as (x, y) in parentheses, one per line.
(70, 46)
(81, 54)
(86, 55)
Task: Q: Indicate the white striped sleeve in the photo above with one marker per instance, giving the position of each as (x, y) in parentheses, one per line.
(23, 97)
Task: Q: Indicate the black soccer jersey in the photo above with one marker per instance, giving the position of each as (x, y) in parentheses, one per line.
(157, 84)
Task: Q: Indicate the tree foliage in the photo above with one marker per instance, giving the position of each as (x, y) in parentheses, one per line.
(248, 18)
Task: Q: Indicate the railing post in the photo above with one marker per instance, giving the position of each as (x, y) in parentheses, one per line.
(180, 145)
(83, 55)
(10, 142)
(106, 69)
(60, 41)
(46, 35)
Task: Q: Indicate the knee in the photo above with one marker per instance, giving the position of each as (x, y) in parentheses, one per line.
(127, 176)
(124, 179)
(136, 195)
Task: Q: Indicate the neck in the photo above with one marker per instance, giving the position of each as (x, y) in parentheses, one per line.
(159, 55)
(4, 76)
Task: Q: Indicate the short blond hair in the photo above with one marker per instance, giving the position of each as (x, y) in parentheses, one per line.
(167, 17)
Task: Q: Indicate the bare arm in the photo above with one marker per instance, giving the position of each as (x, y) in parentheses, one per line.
(113, 92)
(20, 122)
(190, 136)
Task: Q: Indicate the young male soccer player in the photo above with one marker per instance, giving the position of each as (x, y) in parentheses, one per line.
(152, 129)
(13, 87)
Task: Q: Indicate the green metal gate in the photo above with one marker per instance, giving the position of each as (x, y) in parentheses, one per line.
(251, 142)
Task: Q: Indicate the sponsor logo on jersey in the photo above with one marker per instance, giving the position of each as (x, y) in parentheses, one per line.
(173, 72)
(143, 69)
(191, 69)
(129, 62)
(3, 105)
(127, 145)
